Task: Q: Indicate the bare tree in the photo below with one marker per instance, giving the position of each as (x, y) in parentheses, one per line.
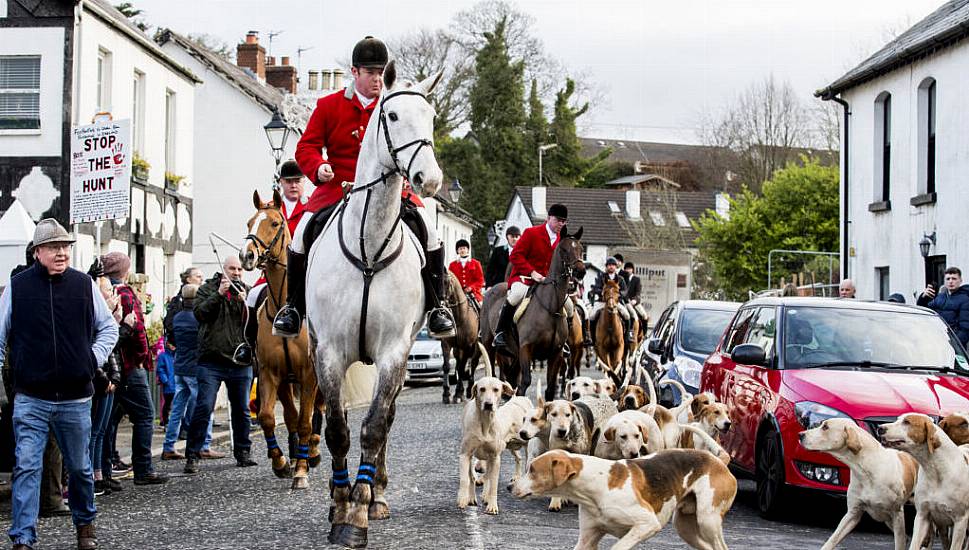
(765, 127)
(215, 44)
(657, 227)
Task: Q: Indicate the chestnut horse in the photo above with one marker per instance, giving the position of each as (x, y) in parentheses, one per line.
(576, 344)
(281, 360)
(464, 343)
(609, 337)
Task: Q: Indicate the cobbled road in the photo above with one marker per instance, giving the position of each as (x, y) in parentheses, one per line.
(225, 507)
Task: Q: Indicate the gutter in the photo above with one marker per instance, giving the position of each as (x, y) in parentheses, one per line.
(845, 166)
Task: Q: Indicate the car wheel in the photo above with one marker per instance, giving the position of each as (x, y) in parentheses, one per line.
(770, 475)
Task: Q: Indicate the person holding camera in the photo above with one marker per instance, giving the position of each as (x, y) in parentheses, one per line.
(220, 308)
(951, 302)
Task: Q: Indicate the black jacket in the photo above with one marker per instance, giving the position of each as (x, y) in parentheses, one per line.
(220, 323)
(633, 289)
(600, 283)
(497, 266)
(174, 306)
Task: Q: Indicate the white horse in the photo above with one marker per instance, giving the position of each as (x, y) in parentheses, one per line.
(345, 325)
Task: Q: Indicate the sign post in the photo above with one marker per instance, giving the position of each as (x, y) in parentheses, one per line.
(100, 172)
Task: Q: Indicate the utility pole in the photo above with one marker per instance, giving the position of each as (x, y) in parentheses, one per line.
(541, 151)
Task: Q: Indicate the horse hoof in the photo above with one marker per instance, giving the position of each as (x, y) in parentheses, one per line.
(447, 399)
(379, 510)
(350, 536)
(314, 461)
(301, 482)
(283, 473)
(329, 518)
(335, 530)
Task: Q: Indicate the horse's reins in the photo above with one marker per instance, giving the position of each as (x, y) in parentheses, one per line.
(371, 266)
(264, 258)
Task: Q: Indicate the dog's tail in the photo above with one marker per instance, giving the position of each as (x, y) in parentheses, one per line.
(709, 443)
(538, 388)
(652, 389)
(489, 366)
(676, 384)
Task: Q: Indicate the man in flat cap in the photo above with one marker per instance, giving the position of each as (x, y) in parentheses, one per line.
(56, 343)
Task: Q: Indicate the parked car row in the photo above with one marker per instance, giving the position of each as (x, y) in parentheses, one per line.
(783, 365)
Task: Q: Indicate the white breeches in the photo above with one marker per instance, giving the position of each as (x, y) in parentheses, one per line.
(626, 310)
(516, 293)
(297, 244)
(253, 295)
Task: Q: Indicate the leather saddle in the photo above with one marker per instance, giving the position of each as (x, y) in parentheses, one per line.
(408, 215)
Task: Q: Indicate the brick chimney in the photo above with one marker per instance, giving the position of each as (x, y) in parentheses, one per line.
(282, 76)
(250, 55)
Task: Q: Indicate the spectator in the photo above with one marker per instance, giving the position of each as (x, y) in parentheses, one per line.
(846, 289)
(133, 394)
(56, 341)
(951, 303)
(106, 379)
(220, 308)
(186, 331)
(191, 276)
(897, 298)
(165, 371)
(498, 263)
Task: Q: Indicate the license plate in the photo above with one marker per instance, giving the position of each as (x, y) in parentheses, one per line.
(418, 365)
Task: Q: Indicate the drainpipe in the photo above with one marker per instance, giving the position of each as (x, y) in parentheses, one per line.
(845, 144)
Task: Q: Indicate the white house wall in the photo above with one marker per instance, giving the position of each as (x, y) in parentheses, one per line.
(891, 238)
(48, 43)
(232, 159)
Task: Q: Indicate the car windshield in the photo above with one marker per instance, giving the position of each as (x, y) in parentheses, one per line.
(700, 329)
(423, 335)
(829, 337)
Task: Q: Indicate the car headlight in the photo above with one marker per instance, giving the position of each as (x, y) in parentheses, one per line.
(811, 414)
(436, 355)
(689, 371)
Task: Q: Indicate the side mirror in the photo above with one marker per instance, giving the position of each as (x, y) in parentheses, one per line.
(749, 354)
(655, 346)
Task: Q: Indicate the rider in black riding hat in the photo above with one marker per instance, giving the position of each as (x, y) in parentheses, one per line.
(595, 296)
(337, 125)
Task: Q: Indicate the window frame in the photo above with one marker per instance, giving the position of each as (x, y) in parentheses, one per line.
(769, 354)
(743, 316)
(883, 279)
(30, 127)
(171, 107)
(138, 112)
(103, 90)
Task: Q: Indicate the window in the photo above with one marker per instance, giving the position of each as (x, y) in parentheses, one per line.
(657, 218)
(682, 221)
(763, 329)
(170, 131)
(883, 147)
(19, 92)
(104, 81)
(881, 277)
(138, 112)
(614, 207)
(739, 329)
(926, 136)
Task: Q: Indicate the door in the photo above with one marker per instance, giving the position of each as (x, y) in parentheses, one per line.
(719, 378)
(752, 394)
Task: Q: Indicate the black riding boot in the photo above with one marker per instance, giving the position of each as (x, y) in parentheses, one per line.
(440, 323)
(244, 353)
(586, 332)
(505, 320)
(289, 319)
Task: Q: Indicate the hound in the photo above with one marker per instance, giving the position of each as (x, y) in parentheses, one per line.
(634, 499)
(482, 438)
(943, 478)
(956, 426)
(511, 417)
(580, 386)
(629, 434)
(882, 480)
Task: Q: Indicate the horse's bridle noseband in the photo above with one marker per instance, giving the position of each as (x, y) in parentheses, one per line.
(265, 256)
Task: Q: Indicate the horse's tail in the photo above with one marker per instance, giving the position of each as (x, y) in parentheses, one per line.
(358, 384)
(489, 366)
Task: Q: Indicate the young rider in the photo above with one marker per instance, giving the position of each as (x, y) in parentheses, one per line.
(337, 125)
(467, 270)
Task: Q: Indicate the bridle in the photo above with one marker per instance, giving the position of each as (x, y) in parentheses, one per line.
(267, 258)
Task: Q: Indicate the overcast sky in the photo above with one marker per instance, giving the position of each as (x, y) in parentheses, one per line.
(660, 63)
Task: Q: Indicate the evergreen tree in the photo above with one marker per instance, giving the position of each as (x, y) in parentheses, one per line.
(564, 165)
(536, 134)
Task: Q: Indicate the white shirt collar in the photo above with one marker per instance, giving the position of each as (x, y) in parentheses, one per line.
(290, 206)
(464, 261)
(364, 100)
(551, 234)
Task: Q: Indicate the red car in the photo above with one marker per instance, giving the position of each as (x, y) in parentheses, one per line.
(784, 365)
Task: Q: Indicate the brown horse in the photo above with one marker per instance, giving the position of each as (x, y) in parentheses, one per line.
(281, 360)
(464, 343)
(609, 338)
(543, 328)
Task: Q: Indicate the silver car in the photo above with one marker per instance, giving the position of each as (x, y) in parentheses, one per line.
(425, 361)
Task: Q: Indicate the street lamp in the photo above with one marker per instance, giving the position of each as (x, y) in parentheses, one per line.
(924, 245)
(455, 190)
(541, 150)
(277, 132)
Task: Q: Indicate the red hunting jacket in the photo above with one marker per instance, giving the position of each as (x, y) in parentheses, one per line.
(337, 125)
(471, 276)
(532, 252)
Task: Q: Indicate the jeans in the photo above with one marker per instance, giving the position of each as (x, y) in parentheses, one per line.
(238, 381)
(33, 420)
(183, 405)
(136, 401)
(101, 407)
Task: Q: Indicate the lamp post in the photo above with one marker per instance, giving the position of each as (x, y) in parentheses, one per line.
(924, 245)
(541, 151)
(277, 132)
(454, 191)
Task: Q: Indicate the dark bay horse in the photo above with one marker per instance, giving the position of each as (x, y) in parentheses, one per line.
(464, 343)
(281, 360)
(543, 328)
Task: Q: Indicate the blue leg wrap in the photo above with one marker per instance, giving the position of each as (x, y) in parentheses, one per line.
(303, 451)
(366, 473)
(271, 443)
(341, 478)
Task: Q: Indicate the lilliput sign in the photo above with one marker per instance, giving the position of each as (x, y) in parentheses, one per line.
(100, 171)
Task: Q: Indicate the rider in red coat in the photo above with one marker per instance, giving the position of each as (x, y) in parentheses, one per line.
(337, 125)
(530, 260)
(467, 269)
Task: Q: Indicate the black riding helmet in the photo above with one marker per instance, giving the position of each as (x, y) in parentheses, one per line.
(460, 243)
(289, 169)
(370, 53)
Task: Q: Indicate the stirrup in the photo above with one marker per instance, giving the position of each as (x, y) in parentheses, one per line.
(279, 323)
(447, 332)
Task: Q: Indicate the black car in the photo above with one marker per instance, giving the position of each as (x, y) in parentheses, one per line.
(685, 334)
